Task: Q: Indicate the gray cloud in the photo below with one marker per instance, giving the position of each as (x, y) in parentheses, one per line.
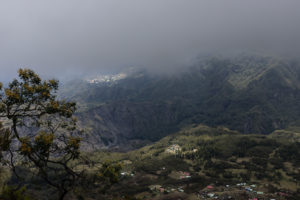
(71, 37)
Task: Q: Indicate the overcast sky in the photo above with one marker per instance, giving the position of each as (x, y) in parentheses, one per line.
(70, 37)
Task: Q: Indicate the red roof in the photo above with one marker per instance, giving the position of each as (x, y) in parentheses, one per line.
(210, 187)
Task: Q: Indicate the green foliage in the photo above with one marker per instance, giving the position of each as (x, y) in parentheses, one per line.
(108, 175)
(259, 151)
(5, 139)
(5, 175)
(262, 162)
(208, 151)
(110, 172)
(277, 162)
(43, 128)
(290, 152)
(243, 145)
(154, 164)
(14, 193)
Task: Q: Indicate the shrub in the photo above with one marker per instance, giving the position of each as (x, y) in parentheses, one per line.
(14, 193)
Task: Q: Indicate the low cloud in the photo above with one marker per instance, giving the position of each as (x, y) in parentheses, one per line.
(74, 38)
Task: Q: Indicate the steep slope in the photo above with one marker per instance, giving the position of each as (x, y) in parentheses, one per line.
(252, 94)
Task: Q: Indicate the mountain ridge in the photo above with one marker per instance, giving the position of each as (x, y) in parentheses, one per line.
(252, 94)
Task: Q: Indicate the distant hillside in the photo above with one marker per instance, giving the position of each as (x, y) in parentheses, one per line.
(199, 161)
(251, 94)
(193, 163)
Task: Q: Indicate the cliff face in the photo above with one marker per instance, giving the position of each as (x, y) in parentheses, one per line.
(117, 123)
(249, 93)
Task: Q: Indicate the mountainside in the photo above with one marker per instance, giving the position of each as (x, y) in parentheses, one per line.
(198, 162)
(251, 94)
(201, 162)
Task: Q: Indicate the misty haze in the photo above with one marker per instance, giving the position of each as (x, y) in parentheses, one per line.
(151, 99)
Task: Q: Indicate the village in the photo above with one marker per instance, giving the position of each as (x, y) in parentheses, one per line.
(248, 191)
(227, 192)
(180, 183)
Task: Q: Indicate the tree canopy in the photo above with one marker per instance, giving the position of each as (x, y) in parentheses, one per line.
(40, 130)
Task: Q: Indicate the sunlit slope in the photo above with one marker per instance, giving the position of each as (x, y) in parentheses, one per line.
(212, 155)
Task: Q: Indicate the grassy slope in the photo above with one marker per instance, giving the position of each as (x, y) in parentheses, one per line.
(222, 156)
(217, 156)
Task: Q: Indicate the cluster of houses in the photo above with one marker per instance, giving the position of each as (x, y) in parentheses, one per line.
(208, 192)
(225, 192)
(249, 188)
(228, 192)
(185, 175)
(174, 149)
(124, 174)
(160, 189)
(106, 78)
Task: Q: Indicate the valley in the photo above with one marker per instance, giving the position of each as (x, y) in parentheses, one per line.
(248, 93)
(226, 128)
(149, 100)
